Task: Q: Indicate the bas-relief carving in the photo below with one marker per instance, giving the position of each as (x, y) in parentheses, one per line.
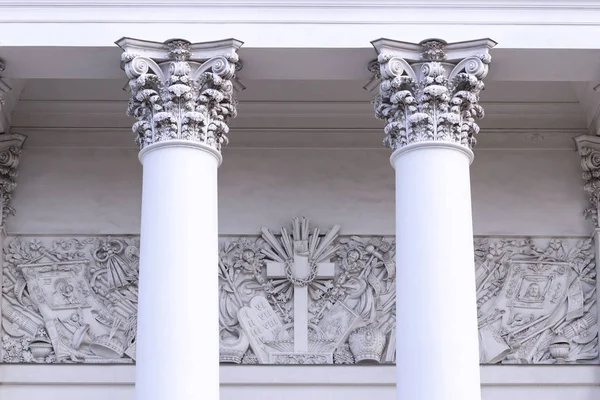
(536, 301)
(298, 297)
(69, 300)
(303, 296)
(535, 297)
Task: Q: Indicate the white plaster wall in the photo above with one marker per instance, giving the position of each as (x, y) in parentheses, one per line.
(77, 190)
(528, 192)
(97, 191)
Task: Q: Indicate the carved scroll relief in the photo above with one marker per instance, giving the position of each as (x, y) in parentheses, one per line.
(301, 296)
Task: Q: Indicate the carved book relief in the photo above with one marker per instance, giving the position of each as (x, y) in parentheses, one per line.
(301, 296)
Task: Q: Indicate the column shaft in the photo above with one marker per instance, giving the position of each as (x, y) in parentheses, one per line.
(178, 342)
(437, 352)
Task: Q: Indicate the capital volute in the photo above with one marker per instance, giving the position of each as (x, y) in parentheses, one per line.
(430, 91)
(181, 90)
(588, 147)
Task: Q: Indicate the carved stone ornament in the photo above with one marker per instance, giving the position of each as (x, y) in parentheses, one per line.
(4, 87)
(10, 151)
(430, 91)
(4, 112)
(181, 90)
(301, 296)
(70, 300)
(589, 150)
(536, 301)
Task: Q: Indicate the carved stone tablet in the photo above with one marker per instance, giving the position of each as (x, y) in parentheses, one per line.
(265, 316)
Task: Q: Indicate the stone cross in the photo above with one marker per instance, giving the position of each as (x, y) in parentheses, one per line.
(300, 270)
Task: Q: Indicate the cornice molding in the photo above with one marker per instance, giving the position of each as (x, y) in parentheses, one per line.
(282, 138)
(481, 4)
(294, 114)
(496, 12)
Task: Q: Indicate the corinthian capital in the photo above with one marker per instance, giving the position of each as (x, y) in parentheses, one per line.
(4, 89)
(181, 90)
(588, 147)
(430, 91)
(10, 150)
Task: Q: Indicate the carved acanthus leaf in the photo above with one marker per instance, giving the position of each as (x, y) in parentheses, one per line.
(10, 151)
(181, 91)
(589, 150)
(430, 92)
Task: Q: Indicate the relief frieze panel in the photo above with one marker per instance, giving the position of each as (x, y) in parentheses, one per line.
(303, 295)
(69, 300)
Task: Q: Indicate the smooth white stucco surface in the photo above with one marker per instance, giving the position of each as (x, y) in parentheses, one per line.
(435, 241)
(98, 191)
(178, 234)
(92, 382)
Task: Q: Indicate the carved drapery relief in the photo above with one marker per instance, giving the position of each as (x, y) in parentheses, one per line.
(10, 151)
(181, 90)
(589, 150)
(301, 296)
(430, 91)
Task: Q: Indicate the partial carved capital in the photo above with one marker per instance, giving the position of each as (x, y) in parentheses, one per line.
(10, 150)
(4, 89)
(430, 91)
(181, 90)
(588, 147)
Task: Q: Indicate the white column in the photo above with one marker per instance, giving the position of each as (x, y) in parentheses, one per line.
(180, 131)
(428, 98)
(436, 336)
